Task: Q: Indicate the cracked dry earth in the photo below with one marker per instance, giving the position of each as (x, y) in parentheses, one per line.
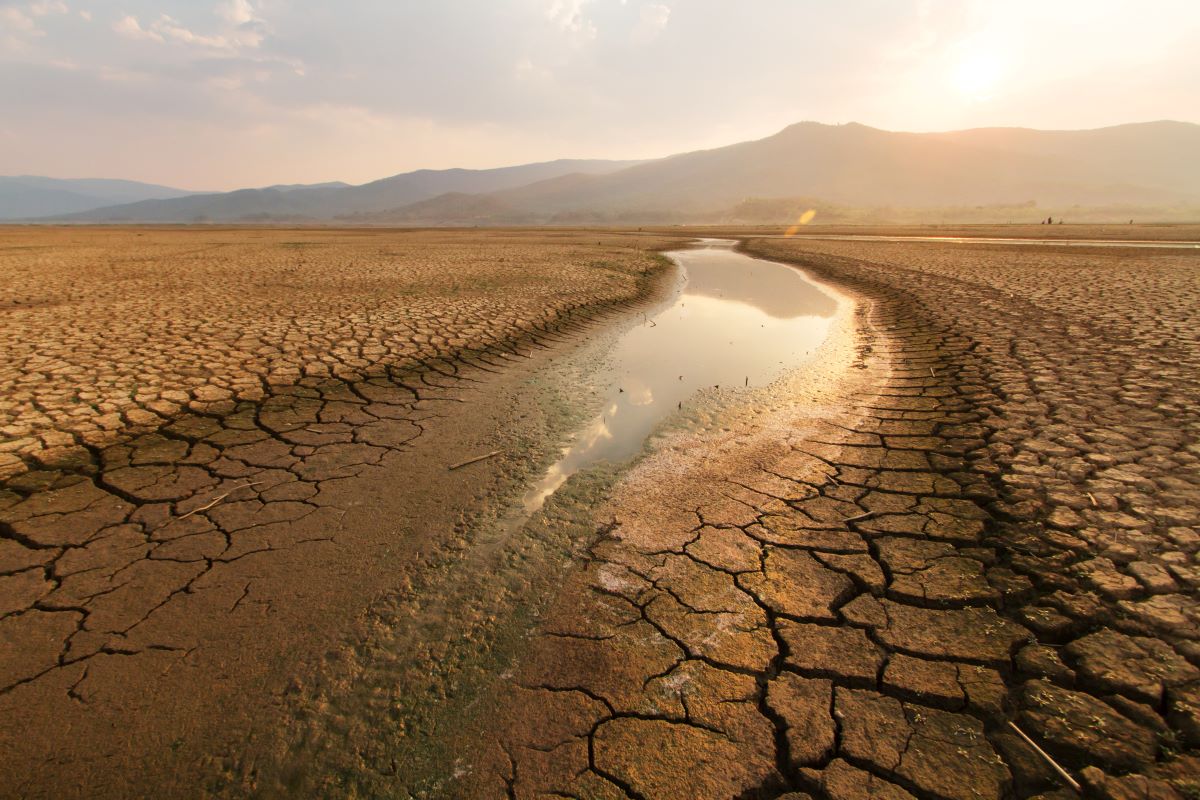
(219, 446)
(111, 332)
(992, 520)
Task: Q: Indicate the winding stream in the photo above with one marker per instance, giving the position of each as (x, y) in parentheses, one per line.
(735, 321)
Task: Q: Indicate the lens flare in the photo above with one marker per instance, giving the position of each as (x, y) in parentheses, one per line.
(802, 220)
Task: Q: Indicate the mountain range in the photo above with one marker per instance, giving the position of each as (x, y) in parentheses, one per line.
(34, 196)
(1154, 164)
(337, 200)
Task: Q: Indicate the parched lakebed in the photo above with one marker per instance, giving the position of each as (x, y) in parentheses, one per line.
(731, 338)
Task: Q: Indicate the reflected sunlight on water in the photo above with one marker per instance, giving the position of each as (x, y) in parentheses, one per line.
(738, 321)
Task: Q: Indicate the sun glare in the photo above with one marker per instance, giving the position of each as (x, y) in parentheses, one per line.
(977, 76)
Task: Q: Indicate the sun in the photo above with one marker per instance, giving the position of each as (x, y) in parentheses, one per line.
(978, 75)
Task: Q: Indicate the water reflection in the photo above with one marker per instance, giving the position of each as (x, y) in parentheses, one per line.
(739, 321)
(777, 291)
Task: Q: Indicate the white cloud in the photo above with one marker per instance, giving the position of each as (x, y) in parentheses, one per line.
(237, 12)
(248, 34)
(19, 25)
(16, 31)
(651, 22)
(172, 29)
(129, 27)
(569, 17)
(16, 20)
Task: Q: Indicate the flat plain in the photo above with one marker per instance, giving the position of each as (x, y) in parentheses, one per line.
(973, 517)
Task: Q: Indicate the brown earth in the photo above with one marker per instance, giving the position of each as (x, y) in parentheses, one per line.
(223, 446)
(977, 505)
(109, 330)
(992, 520)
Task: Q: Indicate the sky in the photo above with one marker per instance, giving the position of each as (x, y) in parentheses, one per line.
(223, 94)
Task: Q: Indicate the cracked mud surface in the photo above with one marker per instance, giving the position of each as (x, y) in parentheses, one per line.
(111, 331)
(221, 445)
(991, 518)
(978, 506)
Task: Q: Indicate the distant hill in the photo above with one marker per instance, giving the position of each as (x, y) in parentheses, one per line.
(851, 170)
(34, 196)
(1161, 154)
(1154, 163)
(287, 187)
(325, 202)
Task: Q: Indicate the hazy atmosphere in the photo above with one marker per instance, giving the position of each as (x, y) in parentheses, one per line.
(222, 95)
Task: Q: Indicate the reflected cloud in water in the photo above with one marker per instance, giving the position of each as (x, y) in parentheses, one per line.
(738, 321)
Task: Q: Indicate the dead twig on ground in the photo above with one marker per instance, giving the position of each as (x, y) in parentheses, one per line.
(860, 517)
(219, 499)
(1062, 773)
(473, 460)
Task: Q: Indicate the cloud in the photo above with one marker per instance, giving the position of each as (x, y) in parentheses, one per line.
(568, 16)
(18, 29)
(618, 78)
(129, 27)
(249, 29)
(44, 7)
(651, 22)
(245, 30)
(17, 20)
(237, 12)
(172, 29)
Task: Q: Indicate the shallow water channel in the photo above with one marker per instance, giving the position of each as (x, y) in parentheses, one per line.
(735, 321)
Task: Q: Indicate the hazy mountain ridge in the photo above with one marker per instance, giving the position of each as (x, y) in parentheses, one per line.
(852, 166)
(856, 165)
(323, 202)
(35, 196)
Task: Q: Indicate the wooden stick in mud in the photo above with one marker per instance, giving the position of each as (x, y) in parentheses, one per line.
(219, 499)
(473, 460)
(1062, 773)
